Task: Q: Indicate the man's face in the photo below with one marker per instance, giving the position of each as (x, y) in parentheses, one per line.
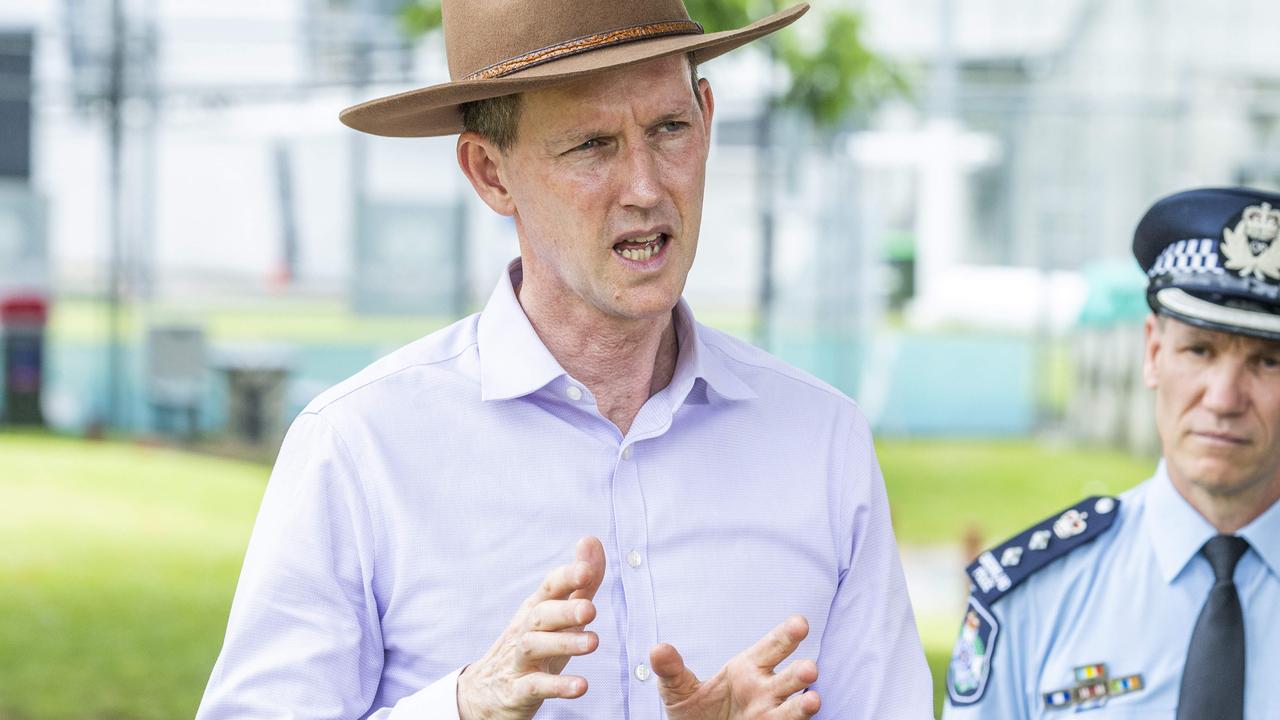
(605, 179)
(1217, 406)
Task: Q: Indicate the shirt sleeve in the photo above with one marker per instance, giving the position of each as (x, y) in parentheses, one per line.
(304, 638)
(871, 663)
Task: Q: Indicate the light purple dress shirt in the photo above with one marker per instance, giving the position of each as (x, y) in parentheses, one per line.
(416, 505)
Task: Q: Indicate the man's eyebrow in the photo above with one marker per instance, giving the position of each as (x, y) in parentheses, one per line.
(574, 137)
(571, 138)
(674, 114)
(1199, 334)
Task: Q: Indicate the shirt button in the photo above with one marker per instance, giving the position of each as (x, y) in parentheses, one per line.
(574, 393)
(642, 672)
(626, 453)
(634, 559)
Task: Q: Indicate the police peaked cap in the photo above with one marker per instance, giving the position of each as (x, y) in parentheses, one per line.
(1212, 258)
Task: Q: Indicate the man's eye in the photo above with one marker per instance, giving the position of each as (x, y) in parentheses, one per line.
(591, 144)
(1269, 362)
(672, 126)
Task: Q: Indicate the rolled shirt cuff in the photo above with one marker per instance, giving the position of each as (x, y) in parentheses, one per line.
(437, 701)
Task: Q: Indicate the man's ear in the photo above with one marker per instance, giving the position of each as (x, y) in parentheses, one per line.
(1151, 332)
(482, 162)
(708, 104)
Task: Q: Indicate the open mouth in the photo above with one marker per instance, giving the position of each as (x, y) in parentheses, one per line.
(642, 248)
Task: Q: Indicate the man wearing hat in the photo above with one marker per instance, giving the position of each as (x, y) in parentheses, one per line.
(579, 503)
(1163, 602)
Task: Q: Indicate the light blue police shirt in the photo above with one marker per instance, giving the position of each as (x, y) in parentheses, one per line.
(1129, 600)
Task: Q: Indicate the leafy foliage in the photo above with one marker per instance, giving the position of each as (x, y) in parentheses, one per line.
(830, 79)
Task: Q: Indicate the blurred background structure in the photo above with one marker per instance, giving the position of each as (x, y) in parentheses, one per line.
(926, 203)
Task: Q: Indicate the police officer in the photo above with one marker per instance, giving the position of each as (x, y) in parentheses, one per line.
(1165, 601)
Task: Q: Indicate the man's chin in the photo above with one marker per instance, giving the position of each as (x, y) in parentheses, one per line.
(645, 303)
(1218, 475)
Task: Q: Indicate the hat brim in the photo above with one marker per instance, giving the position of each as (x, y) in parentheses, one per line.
(1180, 304)
(434, 110)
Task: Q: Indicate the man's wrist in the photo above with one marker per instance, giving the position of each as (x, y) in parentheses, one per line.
(462, 698)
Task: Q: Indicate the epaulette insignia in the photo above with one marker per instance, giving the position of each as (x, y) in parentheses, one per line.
(999, 570)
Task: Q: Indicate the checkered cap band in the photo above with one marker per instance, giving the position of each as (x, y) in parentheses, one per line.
(1188, 256)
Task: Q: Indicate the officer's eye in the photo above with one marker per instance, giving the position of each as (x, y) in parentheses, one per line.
(671, 126)
(1269, 362)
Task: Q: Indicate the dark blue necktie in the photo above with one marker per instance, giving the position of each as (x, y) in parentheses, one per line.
(1213, 678)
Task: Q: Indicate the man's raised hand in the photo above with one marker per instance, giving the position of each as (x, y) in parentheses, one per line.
(747, 686)
(523, 667)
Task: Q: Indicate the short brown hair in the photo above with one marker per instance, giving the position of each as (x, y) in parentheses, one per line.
(495, 119)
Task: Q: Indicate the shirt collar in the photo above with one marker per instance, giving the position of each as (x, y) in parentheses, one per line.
(1263, 535)
(514, 362)
(1177, 531)
(698, 360)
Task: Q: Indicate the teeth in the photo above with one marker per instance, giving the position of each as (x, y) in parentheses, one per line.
(653, 244)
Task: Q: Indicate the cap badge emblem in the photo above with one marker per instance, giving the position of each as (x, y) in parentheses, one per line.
(1249, 247)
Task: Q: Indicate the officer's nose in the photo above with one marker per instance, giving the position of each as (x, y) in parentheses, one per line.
(1224, 391)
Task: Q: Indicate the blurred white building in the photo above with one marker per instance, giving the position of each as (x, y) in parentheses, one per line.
(1069, 119)
(1037, 136)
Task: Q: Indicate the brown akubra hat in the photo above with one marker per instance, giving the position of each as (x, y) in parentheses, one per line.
(501, 47)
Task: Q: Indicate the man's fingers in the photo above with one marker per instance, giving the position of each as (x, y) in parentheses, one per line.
(590, 552)
(796, 677)
(535, 646)
(560, 614)
(798, 707)
(542, 686)
(675, 681)
(778, 643)
(579, 579)
(561, 582)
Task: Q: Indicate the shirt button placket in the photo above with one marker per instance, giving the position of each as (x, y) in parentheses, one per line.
(631, 527)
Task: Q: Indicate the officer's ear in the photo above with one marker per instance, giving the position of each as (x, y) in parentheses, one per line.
(1152, 333)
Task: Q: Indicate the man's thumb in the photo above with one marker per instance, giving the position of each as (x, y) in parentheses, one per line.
(675, 681)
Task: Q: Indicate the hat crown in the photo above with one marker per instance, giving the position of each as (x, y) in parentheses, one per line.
(482, 33)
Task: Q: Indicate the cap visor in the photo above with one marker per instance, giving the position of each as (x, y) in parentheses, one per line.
(1185, 306)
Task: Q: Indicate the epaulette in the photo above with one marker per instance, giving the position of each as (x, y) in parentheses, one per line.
(1001, 569)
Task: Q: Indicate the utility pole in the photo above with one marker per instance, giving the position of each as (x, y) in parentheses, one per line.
(765, 200)
(361, 74)
(115, 141)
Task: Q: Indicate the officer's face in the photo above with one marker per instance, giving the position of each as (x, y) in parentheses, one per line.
(1217, 408)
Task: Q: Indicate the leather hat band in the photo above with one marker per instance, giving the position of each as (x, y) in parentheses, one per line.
(584, 44)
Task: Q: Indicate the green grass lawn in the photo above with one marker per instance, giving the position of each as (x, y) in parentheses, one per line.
(117, 565)
(282, 319)
(118, 562)
(939, 489)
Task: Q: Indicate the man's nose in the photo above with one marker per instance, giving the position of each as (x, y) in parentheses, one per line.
(1224, 391)
(640, 177)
